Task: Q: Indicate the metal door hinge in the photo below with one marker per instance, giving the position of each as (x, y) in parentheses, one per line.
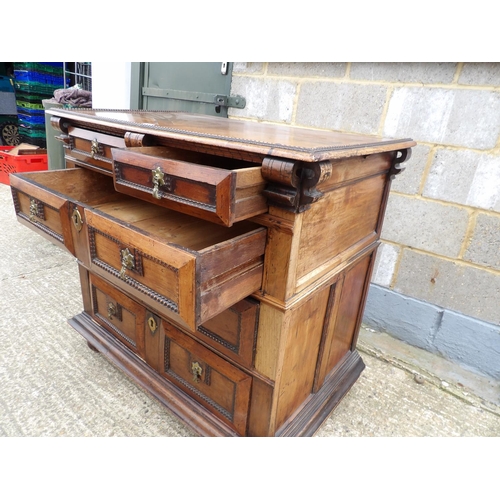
(235, 101)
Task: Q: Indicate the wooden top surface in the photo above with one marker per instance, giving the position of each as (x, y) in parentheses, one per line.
(261, 138)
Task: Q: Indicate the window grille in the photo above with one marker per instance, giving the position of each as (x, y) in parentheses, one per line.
(78, 73)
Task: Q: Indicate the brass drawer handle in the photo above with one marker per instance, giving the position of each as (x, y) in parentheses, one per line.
(127, 259)
(196, 370)
(158, 180)
(111, 310)
(33, 209)
(94, 148)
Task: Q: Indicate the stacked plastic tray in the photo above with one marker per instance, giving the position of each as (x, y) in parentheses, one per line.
(35, 82)
(11, 163)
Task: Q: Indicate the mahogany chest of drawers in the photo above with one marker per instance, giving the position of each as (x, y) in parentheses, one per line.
(224, 264)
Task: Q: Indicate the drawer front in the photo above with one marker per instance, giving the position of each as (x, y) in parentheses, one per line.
(160, 275)
(120, 315)
(92, 149)
(44, 212)
(49, 203)
(171, 178)
(189, 287)
(233, 332)
(213, 382)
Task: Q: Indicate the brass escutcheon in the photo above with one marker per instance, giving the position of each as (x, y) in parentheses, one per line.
(153, 325)
(94, 148)
(196, 370)
(111, 310)
(158, 180)
(77, 219)
(127, 262)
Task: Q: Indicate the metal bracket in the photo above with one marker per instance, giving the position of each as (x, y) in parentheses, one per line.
(235, 101)
(400, 157)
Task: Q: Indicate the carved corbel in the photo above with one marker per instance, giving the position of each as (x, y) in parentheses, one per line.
(312, 175)
(400, 157)
(137, 140)
(61, 125)
(292, 184)
(283, 182)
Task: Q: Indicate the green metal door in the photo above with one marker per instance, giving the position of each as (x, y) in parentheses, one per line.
(196, 87)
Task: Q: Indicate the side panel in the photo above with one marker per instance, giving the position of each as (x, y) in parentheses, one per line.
(344, 314)
(338, 226)
(299, 354)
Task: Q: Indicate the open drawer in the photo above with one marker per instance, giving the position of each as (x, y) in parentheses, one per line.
(187, 269)
(49, 203)
(92, 149)
(217, 189)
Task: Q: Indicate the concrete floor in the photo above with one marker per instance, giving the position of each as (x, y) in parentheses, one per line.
(52, 384)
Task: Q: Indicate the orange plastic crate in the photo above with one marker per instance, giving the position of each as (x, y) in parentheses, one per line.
(10, 164)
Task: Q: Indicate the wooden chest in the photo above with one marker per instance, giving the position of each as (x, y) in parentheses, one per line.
(224, 264)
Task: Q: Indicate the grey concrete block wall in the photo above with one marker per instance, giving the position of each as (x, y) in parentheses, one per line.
(341, 106)
(416, 223)
(452, 116)
(441, 237)
(464, 177)
(484, 246)
(435, 328)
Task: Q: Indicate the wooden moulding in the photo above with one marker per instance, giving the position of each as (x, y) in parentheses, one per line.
(231, 136)
(316, 409)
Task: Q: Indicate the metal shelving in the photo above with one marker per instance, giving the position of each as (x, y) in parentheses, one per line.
(78, 73)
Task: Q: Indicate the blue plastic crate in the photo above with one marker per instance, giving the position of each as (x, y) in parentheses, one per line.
(29, 111)
(35, 77)
(31, 120)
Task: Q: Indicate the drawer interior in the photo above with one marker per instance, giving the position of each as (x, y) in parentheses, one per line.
(198, 157)
(97, 191)
(171, 226)
(184, 267)
(77, 184)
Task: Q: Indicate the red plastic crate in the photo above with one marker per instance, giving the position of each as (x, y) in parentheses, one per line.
(10, 164)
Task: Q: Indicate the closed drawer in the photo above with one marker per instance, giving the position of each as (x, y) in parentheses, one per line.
(120, 315)
(92, 149)
(233, 332)
(217, 189)
(213, 382)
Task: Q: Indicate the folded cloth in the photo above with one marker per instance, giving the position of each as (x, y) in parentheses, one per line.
(78, 98)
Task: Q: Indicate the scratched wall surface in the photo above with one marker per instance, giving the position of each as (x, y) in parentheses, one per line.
(441, 236)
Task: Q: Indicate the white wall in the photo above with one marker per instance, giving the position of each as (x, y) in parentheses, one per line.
(111, 85)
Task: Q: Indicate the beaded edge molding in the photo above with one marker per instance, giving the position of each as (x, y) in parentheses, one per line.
(80, 111)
